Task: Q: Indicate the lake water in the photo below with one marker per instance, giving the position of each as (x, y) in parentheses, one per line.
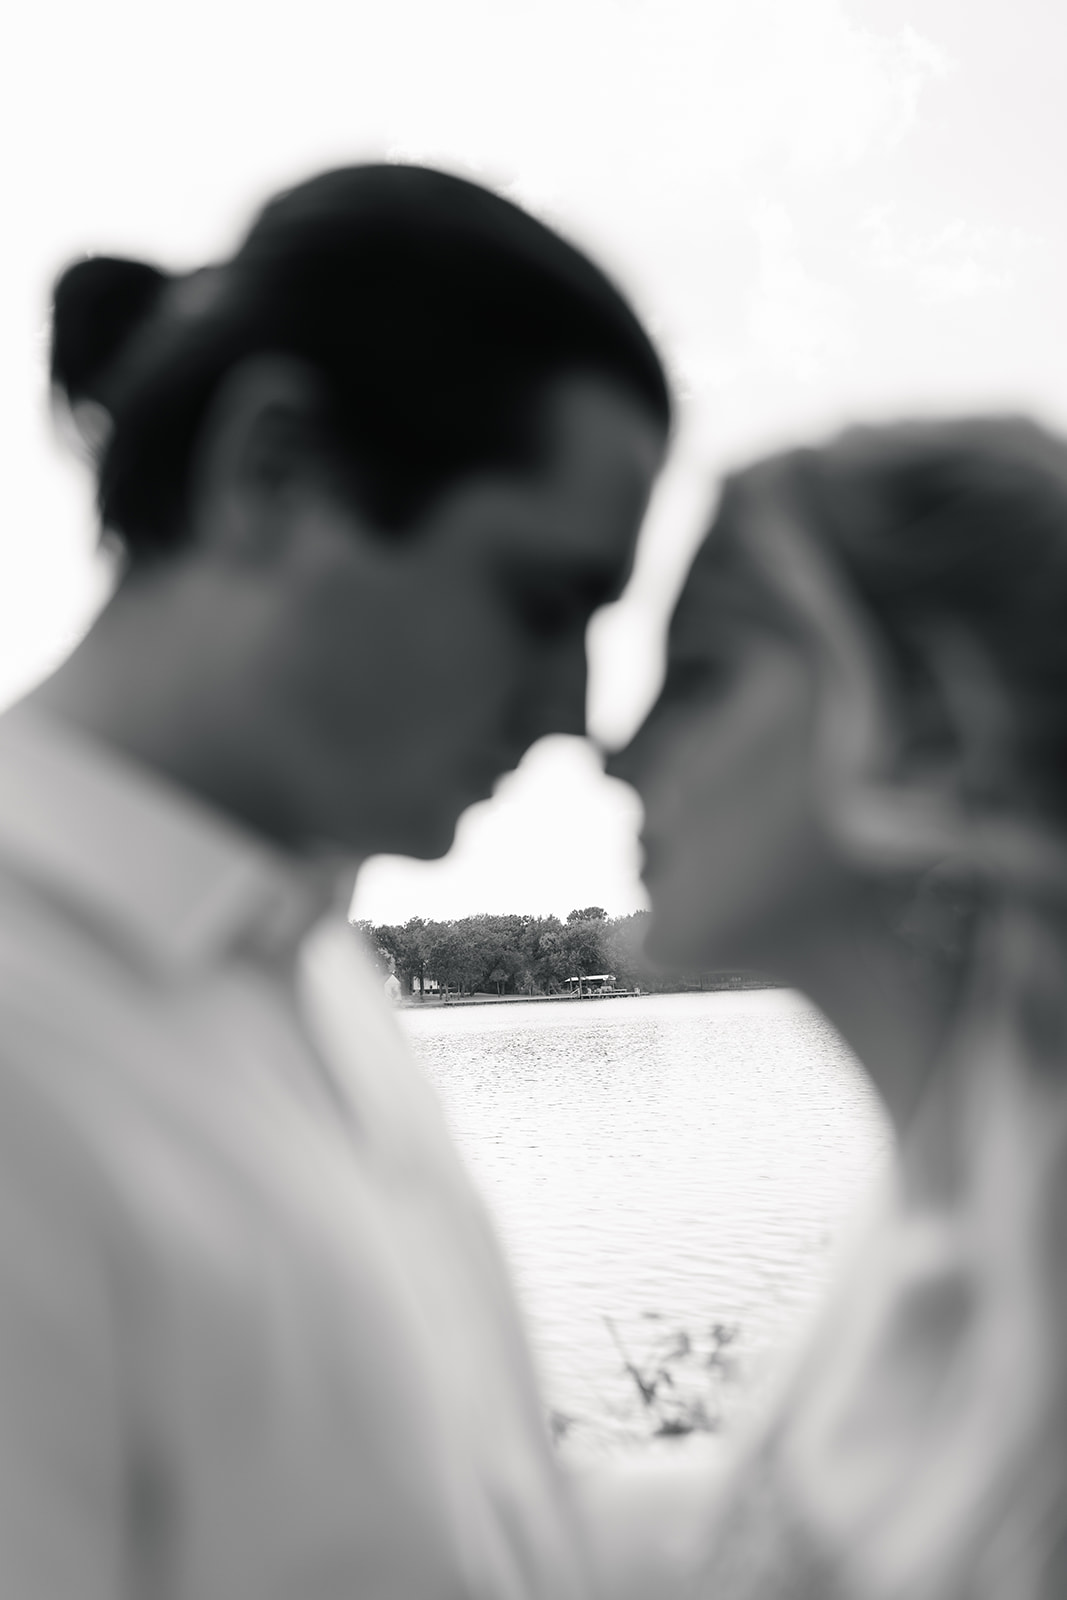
(671, 1176)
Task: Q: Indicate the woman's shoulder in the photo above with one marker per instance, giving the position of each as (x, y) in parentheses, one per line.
(761, 1544)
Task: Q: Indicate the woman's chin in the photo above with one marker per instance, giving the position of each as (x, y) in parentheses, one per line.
(673, 944)
(709, 926)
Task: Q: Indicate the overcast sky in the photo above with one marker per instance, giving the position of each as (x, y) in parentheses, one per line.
(825, 209)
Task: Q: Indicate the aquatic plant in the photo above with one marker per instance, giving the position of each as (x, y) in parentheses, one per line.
(680, 1379)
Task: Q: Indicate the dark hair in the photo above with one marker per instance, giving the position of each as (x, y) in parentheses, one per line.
(959, 523)
(435, 310)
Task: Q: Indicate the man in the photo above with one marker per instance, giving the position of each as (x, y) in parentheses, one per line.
(255, 1337)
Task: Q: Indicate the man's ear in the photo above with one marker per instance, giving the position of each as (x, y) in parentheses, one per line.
(261, 443)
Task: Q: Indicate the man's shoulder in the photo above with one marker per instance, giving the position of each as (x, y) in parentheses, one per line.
(48, 952)
(359, 1032)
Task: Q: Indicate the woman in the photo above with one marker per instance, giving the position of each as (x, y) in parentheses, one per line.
(856, 779)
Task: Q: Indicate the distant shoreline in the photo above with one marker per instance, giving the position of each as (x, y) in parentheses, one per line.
(727, 983)
(491, 959)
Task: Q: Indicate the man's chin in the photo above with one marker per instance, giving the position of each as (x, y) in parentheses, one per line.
(429, 837)
(676, 943)
(434, 837)
(429, 842)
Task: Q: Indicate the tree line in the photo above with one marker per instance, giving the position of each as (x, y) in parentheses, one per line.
(523, 955)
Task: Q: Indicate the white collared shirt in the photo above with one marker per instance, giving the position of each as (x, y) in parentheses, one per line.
(256, 1340)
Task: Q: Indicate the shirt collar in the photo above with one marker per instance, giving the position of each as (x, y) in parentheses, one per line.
(174, 883)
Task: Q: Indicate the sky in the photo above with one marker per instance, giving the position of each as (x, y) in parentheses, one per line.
(825, 210)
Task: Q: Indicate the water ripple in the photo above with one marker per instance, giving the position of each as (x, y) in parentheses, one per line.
(683, 1165)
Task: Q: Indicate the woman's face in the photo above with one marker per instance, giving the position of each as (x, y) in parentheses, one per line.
(737, 863)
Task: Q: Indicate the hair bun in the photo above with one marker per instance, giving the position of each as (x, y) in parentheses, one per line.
(96, 306)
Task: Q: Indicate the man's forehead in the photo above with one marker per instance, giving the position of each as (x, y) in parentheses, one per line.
(576, 517)
(606, 451)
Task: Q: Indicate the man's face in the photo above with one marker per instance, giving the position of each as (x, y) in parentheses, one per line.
(415, 670)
